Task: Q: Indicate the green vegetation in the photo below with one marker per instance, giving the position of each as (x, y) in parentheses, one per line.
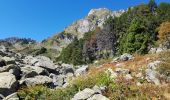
(44, 93)
(135, 31)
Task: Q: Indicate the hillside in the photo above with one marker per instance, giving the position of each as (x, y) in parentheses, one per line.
(107, 55)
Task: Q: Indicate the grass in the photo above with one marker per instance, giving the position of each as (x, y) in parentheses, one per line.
(44, 93)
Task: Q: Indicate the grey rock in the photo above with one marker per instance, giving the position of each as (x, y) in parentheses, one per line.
(157, 50)
(2, 48)
(126, 57)
(31, 71)
(98, 89)
(8, 83)
(38, 80)
(128, 77)
(82, 70)
(154, 65)
(151, 76)
(1, 97)
(95, 18)
(98, 97)
(9, 60)
(2, 63)
(83, 95)
(111, 73)
(13, 96)
(121, 70)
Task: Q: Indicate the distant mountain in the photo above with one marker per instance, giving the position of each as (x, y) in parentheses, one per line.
(15, 42)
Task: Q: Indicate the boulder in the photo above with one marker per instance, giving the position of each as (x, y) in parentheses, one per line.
(8, 83)
(2, 48)
(38, 80)
(83, 95)
(98, 97)
(111, 73)
(153, 65)
(126, 57)
(47, 64)
(9, 60)
(82, 70)
(2, 63)
(121, 70)
(151, 76)
(31, 71)
(98, 89)
(13, 96)
(58, 80)
(128, 77)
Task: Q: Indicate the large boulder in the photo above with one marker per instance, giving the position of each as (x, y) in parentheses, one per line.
(46, 63)
(31, 71)
(8, 83)
(81, 70)
(9, 60)
(38, 80)
(13, 69)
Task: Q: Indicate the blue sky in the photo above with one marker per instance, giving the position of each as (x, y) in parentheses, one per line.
(39, 19)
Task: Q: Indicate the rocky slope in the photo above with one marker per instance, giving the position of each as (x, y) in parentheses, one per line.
(18, 70)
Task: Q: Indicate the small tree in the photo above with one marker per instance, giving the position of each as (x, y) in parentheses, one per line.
(152, 5)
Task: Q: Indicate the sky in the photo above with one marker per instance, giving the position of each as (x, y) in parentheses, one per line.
(40, 19)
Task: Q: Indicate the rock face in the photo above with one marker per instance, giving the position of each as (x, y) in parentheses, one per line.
(8, 83)
(95, 18)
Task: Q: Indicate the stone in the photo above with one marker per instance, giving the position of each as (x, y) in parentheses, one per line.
(13, 96)
(126, 57)
(98, 97)
(82, 70)
(8, 83)
(153, 65)
(1, 97)
(151, 76)
(2, 48)
(111, 73)
(128, 77)
(98, 89)
(31, 71)
(38, 80)
(83, 95)
(121, 70)
(139, 75)
(60, 80)
(9, 60)
(2, 63)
